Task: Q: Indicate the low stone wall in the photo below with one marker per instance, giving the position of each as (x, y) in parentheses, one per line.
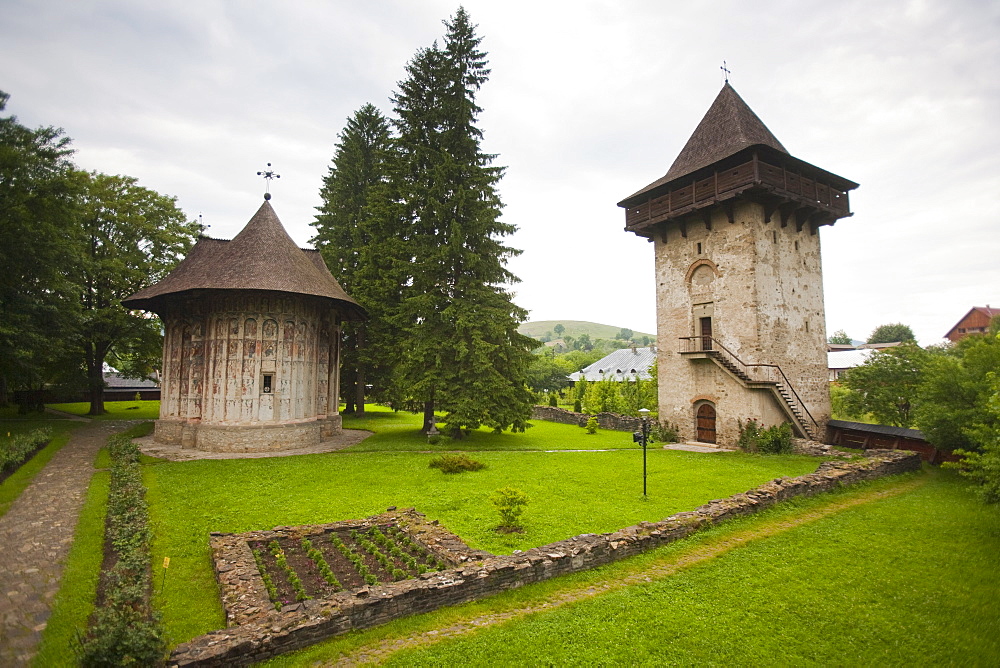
(268, 634)
(611, 421)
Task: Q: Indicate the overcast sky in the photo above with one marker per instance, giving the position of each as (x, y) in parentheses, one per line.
(587, 102)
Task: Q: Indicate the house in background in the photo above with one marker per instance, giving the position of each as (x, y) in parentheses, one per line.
(839, 361)
(119, 388)
(976, 321)
(621, 365)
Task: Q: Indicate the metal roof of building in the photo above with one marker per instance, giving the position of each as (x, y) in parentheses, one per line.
(847, 359)
(621, 365)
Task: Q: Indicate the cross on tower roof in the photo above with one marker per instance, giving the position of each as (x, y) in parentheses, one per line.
(724, 69)
(268, 174)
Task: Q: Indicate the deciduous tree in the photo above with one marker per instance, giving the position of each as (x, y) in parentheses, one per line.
(840, 337)
(131, 237)
(887, 385)
(891, 333)
(38, 195)
(957, 390)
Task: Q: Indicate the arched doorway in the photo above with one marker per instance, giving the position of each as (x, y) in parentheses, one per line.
(705, 418)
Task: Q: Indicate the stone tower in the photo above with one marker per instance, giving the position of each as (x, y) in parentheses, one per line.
(740, 317)
(251, 351)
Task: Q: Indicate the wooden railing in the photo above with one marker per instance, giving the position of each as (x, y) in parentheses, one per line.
(723, 182)
(751, 372)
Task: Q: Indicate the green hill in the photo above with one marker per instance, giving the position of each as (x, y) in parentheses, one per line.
(574, 328)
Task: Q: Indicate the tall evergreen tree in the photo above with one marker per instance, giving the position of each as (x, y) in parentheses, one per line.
(461, 349)
(345, 233)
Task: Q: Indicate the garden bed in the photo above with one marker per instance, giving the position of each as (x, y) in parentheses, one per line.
(301, 568)
(265, 571)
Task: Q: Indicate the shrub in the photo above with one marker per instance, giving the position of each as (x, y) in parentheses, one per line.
(510, 503)
(773, 440)
(663, 432)
(456, 463)
(577, 407)
(591, 424)
(124, 630)
(553, 400)
(15, 450)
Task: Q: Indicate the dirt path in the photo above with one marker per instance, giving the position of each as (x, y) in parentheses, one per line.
(35, 538)
(378, 653)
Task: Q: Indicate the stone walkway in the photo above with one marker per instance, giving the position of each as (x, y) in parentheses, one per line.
(35, 538)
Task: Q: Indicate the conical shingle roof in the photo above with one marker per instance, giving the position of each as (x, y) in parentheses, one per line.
(728, 127)
(261, 257)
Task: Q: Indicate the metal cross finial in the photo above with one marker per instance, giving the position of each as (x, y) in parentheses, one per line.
(268, 174)
(723, 68)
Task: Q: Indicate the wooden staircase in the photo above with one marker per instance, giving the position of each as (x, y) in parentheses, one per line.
(765, 377)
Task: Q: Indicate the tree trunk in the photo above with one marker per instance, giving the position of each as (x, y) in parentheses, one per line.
(95, 382)
(4, 397)
(429, 419)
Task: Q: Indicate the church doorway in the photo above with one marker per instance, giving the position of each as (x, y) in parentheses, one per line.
(705, 417)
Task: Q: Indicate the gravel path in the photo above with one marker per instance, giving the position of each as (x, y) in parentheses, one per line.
(35, 538)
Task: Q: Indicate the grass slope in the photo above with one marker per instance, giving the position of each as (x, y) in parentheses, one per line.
(575, 328)
(907, 580)
(571, 493)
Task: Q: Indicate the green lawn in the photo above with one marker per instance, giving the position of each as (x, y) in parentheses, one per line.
(909, 580)
(400, 431)
(116, 410)
(571, 493)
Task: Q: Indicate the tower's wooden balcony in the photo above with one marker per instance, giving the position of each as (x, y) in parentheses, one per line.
(788, 193)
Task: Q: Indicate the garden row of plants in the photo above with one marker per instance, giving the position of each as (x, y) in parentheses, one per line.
(124, 630)
(18, 448)
(298, 570)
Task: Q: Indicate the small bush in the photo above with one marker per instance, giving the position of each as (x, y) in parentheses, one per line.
(774, 440)
(662, 432)
(553, 400)
(591, 426)
(510, 503)
(456, 463)
(577, 406)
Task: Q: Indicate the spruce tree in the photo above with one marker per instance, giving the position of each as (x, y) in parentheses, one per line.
(460, 351)
(345, 233)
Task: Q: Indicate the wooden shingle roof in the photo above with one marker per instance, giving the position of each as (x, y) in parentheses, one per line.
(261, 257)
(728, 127)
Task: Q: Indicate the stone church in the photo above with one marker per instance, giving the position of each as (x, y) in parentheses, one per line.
(741, 324)
(251, 351)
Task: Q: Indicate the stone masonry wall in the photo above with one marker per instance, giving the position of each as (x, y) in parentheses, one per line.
(267, 634)
(612, 421)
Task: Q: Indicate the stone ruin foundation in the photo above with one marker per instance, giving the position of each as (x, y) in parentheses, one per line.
(257, 631)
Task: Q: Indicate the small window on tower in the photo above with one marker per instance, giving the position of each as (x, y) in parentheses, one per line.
(774, 235)
(699, 248)
(796, 245)
(268, 383)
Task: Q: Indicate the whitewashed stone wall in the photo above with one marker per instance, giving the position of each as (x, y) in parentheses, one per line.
(761, 284)
(217, 351)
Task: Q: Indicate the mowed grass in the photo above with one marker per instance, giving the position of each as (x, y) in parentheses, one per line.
(570, 492)
(116, 410)
(400, 431)
(907, 580)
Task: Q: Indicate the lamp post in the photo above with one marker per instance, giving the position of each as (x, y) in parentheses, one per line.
(644, 438)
